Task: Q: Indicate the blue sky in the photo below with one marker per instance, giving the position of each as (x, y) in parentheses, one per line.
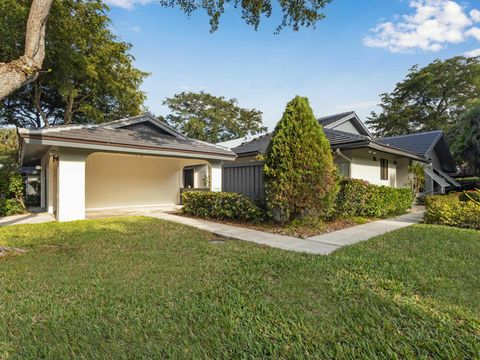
(359, 51)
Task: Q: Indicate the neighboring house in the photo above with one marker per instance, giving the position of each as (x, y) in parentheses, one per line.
(134, 162)
(357, 154)
(433, 146)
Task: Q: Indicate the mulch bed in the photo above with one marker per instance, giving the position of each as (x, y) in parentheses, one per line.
(287, 230)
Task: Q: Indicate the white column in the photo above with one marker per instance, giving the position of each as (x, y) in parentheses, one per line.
(71, 185)
(216, 176)
(51, 184)
(43, 181)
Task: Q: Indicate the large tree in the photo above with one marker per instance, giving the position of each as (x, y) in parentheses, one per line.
(429, 98)
(300, 175)
(17, 72)
(212, 118)
(466, 138)
(90, 74)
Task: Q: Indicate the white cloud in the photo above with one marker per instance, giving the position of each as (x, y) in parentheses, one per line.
(475, 15)
(432, 25)
(473, 53)
(127, 4)
(474, 32)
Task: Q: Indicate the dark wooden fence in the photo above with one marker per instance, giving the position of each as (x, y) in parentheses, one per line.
(246, 179)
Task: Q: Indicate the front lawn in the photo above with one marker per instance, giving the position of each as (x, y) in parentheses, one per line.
(144, 288)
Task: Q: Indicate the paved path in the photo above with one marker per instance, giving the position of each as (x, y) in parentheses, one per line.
(323, 244)
(364, 232)
(258, 237)
(29, 218)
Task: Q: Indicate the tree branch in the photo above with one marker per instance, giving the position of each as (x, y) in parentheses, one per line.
(19, 72)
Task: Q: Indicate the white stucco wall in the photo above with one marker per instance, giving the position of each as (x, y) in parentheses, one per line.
(70, 185)
(364, 167)
(120, 180)
(403, 176)
(216, 176)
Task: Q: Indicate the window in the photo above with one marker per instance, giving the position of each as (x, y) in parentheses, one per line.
(383, 169)
(188, 182)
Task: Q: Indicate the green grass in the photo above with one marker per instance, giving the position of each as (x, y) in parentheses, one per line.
(144, 288)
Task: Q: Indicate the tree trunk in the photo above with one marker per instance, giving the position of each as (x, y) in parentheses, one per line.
(67, 117)
(19, 72)
(37, 101)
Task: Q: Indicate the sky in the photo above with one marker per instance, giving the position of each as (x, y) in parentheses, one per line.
(359, 51)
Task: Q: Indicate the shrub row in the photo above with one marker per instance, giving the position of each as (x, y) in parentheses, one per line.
(220, 205)
(360, 198)
(450, 210)
(355, 198)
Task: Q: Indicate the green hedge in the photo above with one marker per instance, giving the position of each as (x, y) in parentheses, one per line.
(220, 205)
(360, 198)
(449, 210)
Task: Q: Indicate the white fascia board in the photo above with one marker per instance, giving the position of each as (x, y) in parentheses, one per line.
(115, 148)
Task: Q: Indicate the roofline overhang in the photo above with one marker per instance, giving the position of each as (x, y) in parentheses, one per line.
(114, 147)
(380, 147)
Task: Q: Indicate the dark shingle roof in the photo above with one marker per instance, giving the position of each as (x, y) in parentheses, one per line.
(121, 137)
(260, 144)
(419, 143)
(327, 120)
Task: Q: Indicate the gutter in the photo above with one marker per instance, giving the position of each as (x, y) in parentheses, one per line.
(381, 147)
(95, 145)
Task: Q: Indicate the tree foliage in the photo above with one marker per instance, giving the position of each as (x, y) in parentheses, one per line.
(8, 148)
(466, 138)
(211, 118)
(294, 14)
(89, 74)
(11, 182)
(300, 175)
(429, 98)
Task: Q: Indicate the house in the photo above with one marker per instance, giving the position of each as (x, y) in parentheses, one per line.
(128, 163)
(432, 146)
(357, 154)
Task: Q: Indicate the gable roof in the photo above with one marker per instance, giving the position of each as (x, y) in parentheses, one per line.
(112, 137)
(327, 120)
(333, 121)
(425, 144)
(144, 118)
(419, 143)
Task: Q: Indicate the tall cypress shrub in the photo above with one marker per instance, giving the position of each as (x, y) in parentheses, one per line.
(300, 176)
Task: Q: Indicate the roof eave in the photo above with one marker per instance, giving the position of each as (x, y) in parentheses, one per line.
(147, 150)
(380, 147)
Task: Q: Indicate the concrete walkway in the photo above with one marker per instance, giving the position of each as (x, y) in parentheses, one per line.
(29, 218)
(364, 232)
(322, 244)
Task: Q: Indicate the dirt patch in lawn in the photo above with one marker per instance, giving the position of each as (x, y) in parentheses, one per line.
(7, 250)
(296, 230)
